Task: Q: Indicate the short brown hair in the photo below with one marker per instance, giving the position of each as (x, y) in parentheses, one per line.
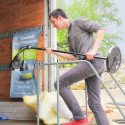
(55, 13)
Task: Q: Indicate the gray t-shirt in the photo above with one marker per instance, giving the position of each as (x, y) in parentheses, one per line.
(80, 37)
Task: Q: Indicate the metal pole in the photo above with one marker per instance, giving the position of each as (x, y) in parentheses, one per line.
(39, 90)
(117, 83)
(43, 49)
(57, 73)
(86, 101)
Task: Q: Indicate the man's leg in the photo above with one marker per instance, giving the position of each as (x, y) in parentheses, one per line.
(81, 71)
(94, 101)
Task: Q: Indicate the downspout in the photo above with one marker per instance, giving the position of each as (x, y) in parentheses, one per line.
(50, 41)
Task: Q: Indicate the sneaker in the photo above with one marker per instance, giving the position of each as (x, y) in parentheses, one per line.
(78, 122)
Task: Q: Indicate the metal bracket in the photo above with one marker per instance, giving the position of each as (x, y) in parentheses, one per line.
(119, 121)
(4, 67)
(10, 34)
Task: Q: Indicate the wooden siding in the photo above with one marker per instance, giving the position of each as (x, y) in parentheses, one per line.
(17, 15)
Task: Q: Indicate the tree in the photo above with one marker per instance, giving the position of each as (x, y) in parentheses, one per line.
(102, 11)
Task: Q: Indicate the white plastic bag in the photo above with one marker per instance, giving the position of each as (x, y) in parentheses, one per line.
(48, 110)
(64, 111)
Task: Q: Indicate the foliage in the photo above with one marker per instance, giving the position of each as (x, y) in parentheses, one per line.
(108, 42)
(102, 11)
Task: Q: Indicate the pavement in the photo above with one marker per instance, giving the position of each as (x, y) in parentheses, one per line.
(105, 98)
(108, 105)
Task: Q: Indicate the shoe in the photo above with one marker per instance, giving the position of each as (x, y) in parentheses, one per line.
(78, 122)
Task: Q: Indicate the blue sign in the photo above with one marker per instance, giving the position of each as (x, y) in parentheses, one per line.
(24, 82)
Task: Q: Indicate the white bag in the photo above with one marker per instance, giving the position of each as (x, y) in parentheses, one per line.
(48, 108)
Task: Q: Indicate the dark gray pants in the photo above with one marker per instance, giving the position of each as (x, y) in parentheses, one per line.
(82, 71)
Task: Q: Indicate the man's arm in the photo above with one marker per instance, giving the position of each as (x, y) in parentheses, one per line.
(62, 55)
(99, 37)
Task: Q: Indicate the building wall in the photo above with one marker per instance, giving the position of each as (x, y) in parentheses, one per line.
(17, 15)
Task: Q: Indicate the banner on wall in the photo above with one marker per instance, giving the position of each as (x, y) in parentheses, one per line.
(24, 82)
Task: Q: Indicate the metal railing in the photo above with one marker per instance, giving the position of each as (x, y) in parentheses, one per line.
(40, 65)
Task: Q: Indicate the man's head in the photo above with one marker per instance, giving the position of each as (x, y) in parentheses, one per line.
(58, 12)
(58, 18)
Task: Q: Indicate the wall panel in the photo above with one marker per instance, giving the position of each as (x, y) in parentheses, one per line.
(17, 15)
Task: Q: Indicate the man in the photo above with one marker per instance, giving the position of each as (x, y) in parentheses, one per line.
(81, 40)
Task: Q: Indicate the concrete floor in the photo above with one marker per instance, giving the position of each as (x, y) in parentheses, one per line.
(80, 95)
(105, 98)
(13, 122)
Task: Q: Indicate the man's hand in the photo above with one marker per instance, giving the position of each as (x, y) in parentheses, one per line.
(90, 55)
(49, 51)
